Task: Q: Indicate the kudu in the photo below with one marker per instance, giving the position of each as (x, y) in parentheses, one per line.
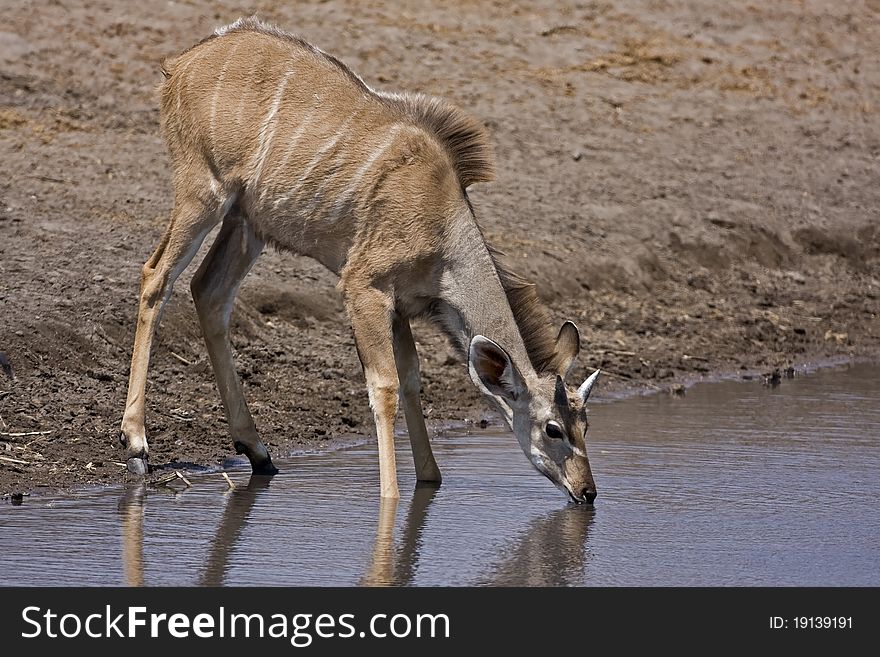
(284, 144)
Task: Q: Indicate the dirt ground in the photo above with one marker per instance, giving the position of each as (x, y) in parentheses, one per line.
(694, 184)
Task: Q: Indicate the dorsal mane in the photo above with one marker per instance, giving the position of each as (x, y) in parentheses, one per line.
(530, 314)
(254, 24)
(465, 139)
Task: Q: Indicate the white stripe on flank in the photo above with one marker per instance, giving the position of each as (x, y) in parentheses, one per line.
(216, 97)
(384, 146)
(344, 199)
(315, 161)
(291, 146)
(267, 130)
(182, 74)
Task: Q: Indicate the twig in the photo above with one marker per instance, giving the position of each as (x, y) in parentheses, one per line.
(181, 359)
(228, 480)
(3, 393)
(21, 434)
(556, 29)
(166, 479)
(615, 375)
(183, 479)
(11, 460)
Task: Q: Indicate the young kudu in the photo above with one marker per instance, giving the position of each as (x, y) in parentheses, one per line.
(282, 143)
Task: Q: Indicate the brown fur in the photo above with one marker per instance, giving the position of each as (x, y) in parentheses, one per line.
(465, 139)
(284, 144)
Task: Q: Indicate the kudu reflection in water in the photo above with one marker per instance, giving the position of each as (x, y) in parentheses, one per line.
(388, 567)
(240, 501)
(552, 552)
(238, 509)
(131, 510)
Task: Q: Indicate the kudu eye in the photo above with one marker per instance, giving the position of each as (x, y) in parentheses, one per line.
(553, 430)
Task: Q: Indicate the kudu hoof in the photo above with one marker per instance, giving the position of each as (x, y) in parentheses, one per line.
(266, 468)
(137, 466)
(261, 467)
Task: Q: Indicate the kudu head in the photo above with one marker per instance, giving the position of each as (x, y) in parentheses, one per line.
(548, 418)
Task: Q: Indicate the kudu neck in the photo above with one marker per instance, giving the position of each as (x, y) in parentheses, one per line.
(476, 297)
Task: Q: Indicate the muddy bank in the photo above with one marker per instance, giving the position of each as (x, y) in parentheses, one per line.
(695, 187)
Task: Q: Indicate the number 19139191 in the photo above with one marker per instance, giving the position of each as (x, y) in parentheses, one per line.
(811, 623)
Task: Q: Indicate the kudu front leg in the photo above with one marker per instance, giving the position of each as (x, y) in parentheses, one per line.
(371, 311)
(407, 359)
(214, 288)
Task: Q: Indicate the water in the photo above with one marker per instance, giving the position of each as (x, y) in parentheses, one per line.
(734, 484)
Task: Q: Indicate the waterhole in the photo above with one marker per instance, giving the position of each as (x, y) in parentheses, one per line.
(734, 484)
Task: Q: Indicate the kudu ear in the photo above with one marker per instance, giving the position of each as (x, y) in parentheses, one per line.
(587, 386)
(568, 345)
(492, 371)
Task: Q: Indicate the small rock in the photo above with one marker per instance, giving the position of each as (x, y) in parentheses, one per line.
(677, 390)
(6, 366)
(576, 156)
(100, 376)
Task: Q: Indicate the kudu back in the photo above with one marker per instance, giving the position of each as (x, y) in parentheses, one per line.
(283, 144)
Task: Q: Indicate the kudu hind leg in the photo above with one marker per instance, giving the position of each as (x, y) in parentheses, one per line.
(189, 225)
(407, 360)
(214, 288)
(370, 311)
